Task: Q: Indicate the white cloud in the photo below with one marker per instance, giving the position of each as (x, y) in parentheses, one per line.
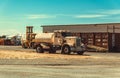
(40, 16)
(44, 16)
(111, 12)
(106, 14)
(111, 18)
(97, 14)
(89, 16)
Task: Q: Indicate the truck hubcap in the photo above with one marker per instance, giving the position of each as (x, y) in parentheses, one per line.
(66, 50)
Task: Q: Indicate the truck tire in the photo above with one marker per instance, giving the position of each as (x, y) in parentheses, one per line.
(32, 46)
(39, 49)
(80, 52)
(65, 49)
(24, 46)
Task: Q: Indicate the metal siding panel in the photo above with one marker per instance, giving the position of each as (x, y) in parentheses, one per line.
(117, 41)
(110, 41)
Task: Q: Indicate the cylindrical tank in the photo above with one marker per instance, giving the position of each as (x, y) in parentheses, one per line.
(44, 37)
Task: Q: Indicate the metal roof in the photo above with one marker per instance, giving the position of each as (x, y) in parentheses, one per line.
(81, 24)
(106, 27)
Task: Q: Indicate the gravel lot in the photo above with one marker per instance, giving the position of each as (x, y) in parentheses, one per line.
(16, 62)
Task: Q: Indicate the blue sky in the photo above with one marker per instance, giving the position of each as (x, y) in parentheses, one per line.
(15, 15)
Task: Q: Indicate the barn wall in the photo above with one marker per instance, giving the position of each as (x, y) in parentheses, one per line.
(117, 41)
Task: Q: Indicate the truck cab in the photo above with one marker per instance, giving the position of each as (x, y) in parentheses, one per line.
(73, 44)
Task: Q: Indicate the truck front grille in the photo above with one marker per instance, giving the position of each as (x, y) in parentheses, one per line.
(77, 42)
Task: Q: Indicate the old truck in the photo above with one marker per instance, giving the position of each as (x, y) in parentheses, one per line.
(58, 40)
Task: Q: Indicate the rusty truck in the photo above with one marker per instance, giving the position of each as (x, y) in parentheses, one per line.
(58, 40)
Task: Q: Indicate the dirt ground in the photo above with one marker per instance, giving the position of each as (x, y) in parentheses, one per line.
(18, 55)
(27, 71)
(16, 62)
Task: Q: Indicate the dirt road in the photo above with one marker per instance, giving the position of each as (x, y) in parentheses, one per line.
(95, 71)
(16, 62)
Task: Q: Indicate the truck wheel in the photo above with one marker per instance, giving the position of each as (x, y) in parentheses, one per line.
(39, 49)
(66, 50)
(24, 46)
(32, 46)
(80, 52)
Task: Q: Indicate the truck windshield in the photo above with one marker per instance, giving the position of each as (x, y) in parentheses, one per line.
(65, 34)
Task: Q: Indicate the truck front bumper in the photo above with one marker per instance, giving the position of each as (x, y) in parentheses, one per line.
(77, 49)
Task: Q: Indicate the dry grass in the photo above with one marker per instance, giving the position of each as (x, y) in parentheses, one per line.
(5, 54)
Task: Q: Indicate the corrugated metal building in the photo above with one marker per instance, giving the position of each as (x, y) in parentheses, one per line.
(102, 35)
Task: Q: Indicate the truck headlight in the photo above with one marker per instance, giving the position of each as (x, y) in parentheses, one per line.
(82, 45)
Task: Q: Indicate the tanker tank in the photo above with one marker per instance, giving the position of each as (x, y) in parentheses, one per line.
(44, 37)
